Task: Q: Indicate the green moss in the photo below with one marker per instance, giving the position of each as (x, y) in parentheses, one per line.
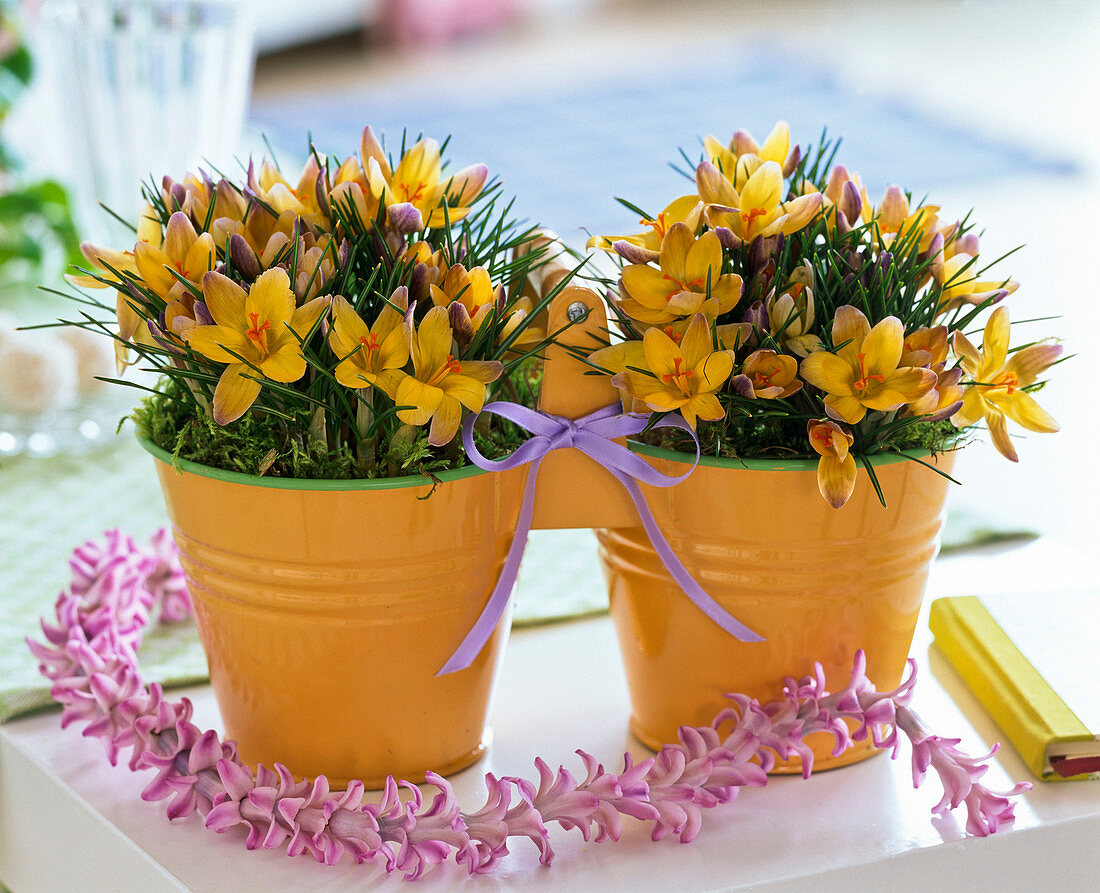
(266, 444)
(785, 438)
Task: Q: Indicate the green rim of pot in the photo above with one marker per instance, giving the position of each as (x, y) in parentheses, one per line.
(764, 464)
(253, 480)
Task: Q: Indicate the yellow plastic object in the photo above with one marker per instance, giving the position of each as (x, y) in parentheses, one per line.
(818, 583)
(326, 608)
(1009, 683)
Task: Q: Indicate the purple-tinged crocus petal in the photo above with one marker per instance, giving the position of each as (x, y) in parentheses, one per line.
(244, 258)
(405, 218)
(727, 238)
(634, 254)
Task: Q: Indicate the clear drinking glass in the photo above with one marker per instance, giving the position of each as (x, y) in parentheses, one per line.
(146, 88)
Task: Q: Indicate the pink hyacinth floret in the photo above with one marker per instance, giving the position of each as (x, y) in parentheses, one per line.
(90, 656)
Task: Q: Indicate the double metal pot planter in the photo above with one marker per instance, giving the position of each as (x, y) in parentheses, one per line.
(327, 608)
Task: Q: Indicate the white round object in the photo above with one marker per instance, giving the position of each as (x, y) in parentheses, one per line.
(95, 355)
(36, 374)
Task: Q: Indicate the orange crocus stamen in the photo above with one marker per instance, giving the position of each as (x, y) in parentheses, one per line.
(674, 335)
(258, 332)
(764, 379)
(748, 218)
(678, 375)
(684, 286)
(411, 195)
(451, 366)
(370, 343)
(861, 383)
(660, 225)
(1009, 383)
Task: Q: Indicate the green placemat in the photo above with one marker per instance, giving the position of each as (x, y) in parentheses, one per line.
(48, 507)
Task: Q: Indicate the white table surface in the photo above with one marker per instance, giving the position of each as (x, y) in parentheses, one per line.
(68, 821)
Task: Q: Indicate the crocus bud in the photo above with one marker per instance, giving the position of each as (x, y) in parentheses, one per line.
(742, 386)
(849, 206)
(461, 324)
(967, 244)
(757, 316)
(882, 265)
(244, 258)
(405, 218)
(418, 283)
(712, 184)
(634, 254)
(760, 252)
(728, 238)
(791, 164)
(202, 314)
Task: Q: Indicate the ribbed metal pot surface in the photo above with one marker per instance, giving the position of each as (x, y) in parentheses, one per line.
(818, 583)
(326, 613)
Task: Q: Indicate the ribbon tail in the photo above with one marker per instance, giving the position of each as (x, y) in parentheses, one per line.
(679, 573)
(490, 615)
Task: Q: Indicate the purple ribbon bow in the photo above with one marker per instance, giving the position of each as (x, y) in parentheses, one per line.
(593, 435)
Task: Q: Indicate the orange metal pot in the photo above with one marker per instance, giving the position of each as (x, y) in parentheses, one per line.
(818, 583)
(326, 608)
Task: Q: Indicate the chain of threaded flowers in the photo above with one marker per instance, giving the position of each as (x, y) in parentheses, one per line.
(90, 657)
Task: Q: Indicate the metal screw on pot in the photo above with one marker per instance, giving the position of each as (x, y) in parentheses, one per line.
(576, 310)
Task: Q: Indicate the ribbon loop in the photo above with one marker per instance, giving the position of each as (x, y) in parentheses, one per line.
(594, 436)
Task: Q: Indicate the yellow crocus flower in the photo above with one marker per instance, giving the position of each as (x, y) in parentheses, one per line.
(183, 250)
(836, 469)
(687, 209)
(440, 384)
(115, 267)
(995, 391)
(863, 373)
(473, 291)
(791, 313)
(741, 159)
(257, 334)
(472, 288)
(682, 376)
(370, 355)
(689, 281)
(767, 375)
(757, 209)
(956, 276)
(351, 187)
(276, 193)
(893, 216)
(418, 181)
